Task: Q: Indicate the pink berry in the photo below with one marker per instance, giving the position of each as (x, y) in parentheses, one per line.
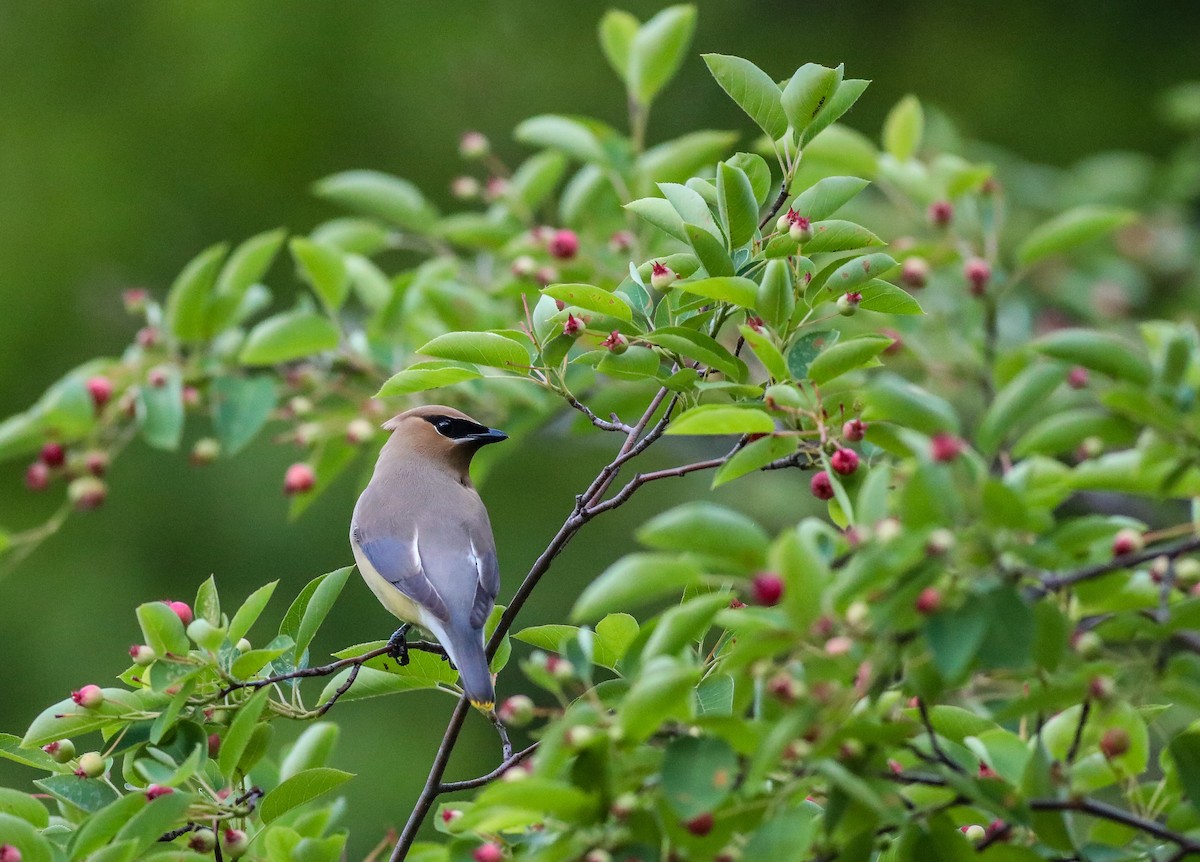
(96, 462)
(767, 588)
(214, 744)
(799, 228)
(1077, 377)
(147, 337)
(1114, 742)
(854, 430)
(616, 343)
(449, 815)
(621, 242)
(37, 476)
(181, 610)
(61, 750)
(944, 448)
(135, 299)
(929, 601)
(465, 188)
(516, 711)
(142, 655)
(574, 326)
(473, 145)
(101, 389)
(158, 377)
(661, 276)
(914, 272)
(977, 272)
(89, 697)
(897, 341)
(53, 455)
(488, 853)
(234, 843)
(299, 479)
(8, 853)
(941, 213)
(87, 493)
(564, 244)
(496, 188)
(844, 461)
(821, 486)
(156, 790)
(1127, 541)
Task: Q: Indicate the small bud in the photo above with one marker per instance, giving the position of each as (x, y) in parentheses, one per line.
(234, 843)
(940, 541)
(60, 751)
(37, 476)
(205, 451)
(564, 244)
(299, 479)
(1114, 742)
(158, 376)
(785, 221)
(800, 229)
(700, 825)
(142, 655)
(559, 668)
(598, 855)
(147, 337)
(857, 614)
(96, 462)
(854, 430)
(191, 397)
(840, 645)
(101, 389)
(574, 326)
(89, 696)
(298, 405)
(986, 771)
(1102, 688)
(782, 686)
(53, 455)
(844, 461)
(1077, 377)
(496, 188)
(87, 493)
(623, 806)
(821, 486)
(214, 744)
(516, 711)
(616, 343)
(977, 272)
(974, 832)
(1160, 566)
(579, 736)
(465, 188)
(9, 853)
(488, 853)
(1127, 541)
(203, 840)
(620, 242)
(359, 431)
(914, 272)
(523, 266)
(767, 588)
(473, 145)
(941, 213)
(134, 299)
(888, 530)
(91, 765)
(181, 610)
(156, 790)
(928, 601)
(661, 276)
(944, 448)
(1087, 644)
(243, 645)
(450, 815)
(546, 275)
(847, 303)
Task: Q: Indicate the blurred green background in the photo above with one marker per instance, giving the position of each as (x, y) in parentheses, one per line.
(133, 134)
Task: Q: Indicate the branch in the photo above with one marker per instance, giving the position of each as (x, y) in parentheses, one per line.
(641, 479)
(602, 424)
(1118, 815)
(513, 760)
(777, 204)
(1052, 583)
(933, 742)
(328, 669)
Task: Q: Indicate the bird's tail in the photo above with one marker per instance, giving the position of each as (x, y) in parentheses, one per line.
(473, 673)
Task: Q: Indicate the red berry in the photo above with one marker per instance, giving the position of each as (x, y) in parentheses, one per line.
(96, 462)
(941, 213)
(1127, 541)
(844, 461)
(101, 389)
(8, 853)
(915, 272)
(929, 601)
(156, 790)
(89, 697)
(854, 430)
(767, 588)
(574, 326)
(181, 610)
(821, 486)
(977, 273)
(299, 479)
(616, 343)
(488, 853)
(564, 244)
(53, 455)
(700, 825)
(945, 447)
(1114, 742)
(37, 476)
(214, 744)
(1077, 377)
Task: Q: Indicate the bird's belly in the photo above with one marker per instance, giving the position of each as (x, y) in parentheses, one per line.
(400, 605)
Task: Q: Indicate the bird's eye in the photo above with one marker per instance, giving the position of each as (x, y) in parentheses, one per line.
(443, 423)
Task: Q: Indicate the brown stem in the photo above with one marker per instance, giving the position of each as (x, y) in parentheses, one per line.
(509, 763)
(602, 424)
(1052, 583)
(776, 205)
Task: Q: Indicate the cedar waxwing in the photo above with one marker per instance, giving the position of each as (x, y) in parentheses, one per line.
(423, 542)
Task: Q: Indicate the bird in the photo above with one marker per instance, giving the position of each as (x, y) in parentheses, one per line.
(423, 542)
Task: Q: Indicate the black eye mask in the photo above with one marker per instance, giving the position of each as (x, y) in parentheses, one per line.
(455, 429)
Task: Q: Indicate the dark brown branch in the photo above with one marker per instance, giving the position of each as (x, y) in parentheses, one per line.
(776, 205)
(328, 669)
(641, 479)
(470, 783)
(1084, 712)
(1118, 815)
(602, 424)
(182, 830)
(341, 689)
(933, 742)
(1052, 583)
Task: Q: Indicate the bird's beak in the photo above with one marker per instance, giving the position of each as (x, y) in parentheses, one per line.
(492, 435)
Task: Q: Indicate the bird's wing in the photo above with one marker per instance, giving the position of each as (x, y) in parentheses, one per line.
(483, 553)
(399, 562)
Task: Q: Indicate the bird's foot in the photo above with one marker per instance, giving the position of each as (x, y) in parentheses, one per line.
(398, 645)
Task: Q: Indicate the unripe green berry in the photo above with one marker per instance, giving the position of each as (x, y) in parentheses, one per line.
(60, 751)
(91, 765)
(203, 840)
(234, 843)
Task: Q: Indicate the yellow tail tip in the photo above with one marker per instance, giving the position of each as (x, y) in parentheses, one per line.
(484, 705)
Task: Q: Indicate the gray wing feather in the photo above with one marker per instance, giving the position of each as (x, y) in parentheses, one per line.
(399, 562)
(489, 581)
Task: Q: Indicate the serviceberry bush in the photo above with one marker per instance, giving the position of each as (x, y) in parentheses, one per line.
(987, 642)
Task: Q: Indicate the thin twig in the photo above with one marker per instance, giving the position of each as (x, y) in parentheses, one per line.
(182, 830)
(602, 424)
(1118, 815)
(327, 669)
(1075, 743)
(777, 204)
(933, 742)
(341, 689)
(470, 783)
(1050, 583)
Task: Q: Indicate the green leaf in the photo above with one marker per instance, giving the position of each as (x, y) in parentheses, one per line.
(548, 637)
(614, 635)
(237, 738)
(826, 196)
(697, 345)
(660, 213)
(955, 637)
(328, 588)
(617, 30)
(837, 235)
(186, 313)
(424, 671)
(252, 661)
(663, 690)
(754, 456)
(565, 134)
(241, 407)
(88, 795)
(423, 378)
(886, 298)
(288, 336)
(683, 625)
(737, 204)
(806, 348)
(756, 170)
(1185, 751)
(634, 580)
(776, 299)
(710, 250)
(32, 845)
(250, 611)
(373, 288)
(722, 419)
(355, 236)
(698, 774)
(730, 288)
(1063, 432)
(155, 818)
(1020, 399)
(853, 273)
(846, 356)
(807, 92)
(299, 789)
(162, 629)
(894, 399)
(377, 194)
(1071, 229)
(311, 750)
(766, 351)
(1097, 351)
(208, 602)
(658, 50)
(785, 837)
(160, 410)
(245, 268)
(843, 100)
(324, 268)
(903, 129)
(534, 181)
(707, 528)
(11, 749)
(481, 348)
(679, 159)
(753, 91)
(24, 806)
(591, 298)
